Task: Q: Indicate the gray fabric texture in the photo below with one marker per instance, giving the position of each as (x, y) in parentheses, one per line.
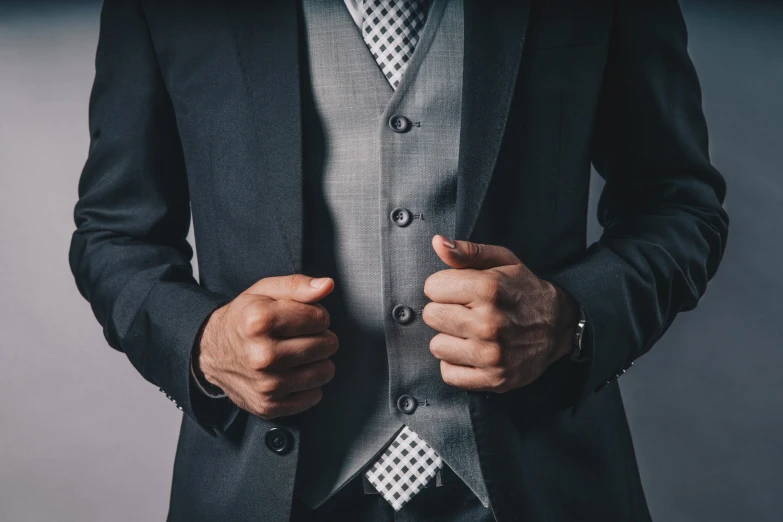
(358, 171)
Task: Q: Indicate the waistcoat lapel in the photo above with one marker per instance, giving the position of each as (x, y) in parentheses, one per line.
(267, 40)
(494, 38)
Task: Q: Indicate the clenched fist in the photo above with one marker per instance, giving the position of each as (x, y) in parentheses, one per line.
(500, 325)
(269, 348)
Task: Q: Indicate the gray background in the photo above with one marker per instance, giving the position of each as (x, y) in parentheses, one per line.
(84, 438)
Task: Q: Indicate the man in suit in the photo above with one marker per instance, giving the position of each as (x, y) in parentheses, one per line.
(397, 315)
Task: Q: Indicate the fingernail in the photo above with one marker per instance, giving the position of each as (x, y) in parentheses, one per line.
(448, 243)
(318, 283)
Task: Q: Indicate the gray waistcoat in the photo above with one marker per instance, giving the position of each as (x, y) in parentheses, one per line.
(357, 170)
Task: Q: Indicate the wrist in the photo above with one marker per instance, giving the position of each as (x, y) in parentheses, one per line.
(202, 356)
(568, 315)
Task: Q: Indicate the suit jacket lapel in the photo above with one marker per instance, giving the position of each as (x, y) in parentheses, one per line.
(267, 40)
(494, 38)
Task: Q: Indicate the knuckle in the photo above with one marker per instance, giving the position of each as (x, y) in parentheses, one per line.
(333, 342)
(435, 346)
(264, 409)
(432, 283)
(290, 283)
(491, 355)
(330, 342)
(268, 386)
(428, 287)
(492, 289)
(297, 280)
(257, 318)
(317, 395)
(493, 325)
(329, 369)
(247, 318)
(428, 312)
(473, 250)
(446, 375)
(322, 316)
(499, 382)
(262, 357)
(264, 320)
(248, 323)
(439, 346)
(487, 330)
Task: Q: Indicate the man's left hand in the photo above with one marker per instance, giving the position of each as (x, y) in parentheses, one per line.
(500, 325)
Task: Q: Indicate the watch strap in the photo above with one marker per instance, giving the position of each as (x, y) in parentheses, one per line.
(578, 354)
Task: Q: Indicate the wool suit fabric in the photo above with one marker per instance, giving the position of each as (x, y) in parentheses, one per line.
(197, 109)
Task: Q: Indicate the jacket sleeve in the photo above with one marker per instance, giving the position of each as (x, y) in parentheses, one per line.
(129, 254)
(661, 208)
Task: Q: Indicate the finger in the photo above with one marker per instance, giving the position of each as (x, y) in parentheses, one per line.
(294, 403)
(297, 287)
(305, 377)
(481, 323)
(285, 318)
(468, 286)
(297, 319)
(298, 351)
(467, 378)
(452, 319)
(466, 254)
(465, 352)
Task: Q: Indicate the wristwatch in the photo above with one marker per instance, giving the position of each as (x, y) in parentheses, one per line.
(579, 355)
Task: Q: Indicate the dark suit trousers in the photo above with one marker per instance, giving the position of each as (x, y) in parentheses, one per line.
(451, 502)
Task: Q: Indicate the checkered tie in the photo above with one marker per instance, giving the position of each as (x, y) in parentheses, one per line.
(404, 468)
(391, 30)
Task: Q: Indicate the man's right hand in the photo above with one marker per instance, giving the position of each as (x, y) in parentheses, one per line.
(269, 348)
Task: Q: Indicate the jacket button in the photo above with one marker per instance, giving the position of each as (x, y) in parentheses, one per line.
(402, 314)
(279, 440)
(401, 216)
(406, 404)
(399, 123)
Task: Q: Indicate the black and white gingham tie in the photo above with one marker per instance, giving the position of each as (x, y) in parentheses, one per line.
(404, 468)
(391, 30)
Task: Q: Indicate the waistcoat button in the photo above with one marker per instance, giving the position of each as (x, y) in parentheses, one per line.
(406, 404)
(402, 314)
(401, 216)
(279, 440)
(399, 123)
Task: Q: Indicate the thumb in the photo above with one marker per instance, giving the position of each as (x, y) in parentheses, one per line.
(297, 287)
(466, 254)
